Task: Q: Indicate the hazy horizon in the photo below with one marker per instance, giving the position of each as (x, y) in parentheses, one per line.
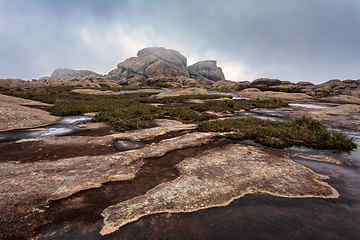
(289, 40)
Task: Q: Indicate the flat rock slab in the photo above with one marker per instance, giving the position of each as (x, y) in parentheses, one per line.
(217, 177)
(271, 94)
(33, 184)
(15, 115)
(164, 126)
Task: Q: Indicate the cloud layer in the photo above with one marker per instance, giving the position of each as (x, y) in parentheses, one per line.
(308, 40)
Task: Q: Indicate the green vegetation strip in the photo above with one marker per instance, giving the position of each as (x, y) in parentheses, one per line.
(122, 112)
(301, 131)
(238, 104)
(128, 111)
(181, 98)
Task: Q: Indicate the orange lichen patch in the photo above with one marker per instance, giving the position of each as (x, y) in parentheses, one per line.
(243, 170)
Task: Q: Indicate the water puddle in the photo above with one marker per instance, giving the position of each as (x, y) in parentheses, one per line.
(276, 112)
(66, 126)
(124, 145)
(347, 117)
(234, 96)
(147, 90)
(265, 114)
(309, 105)
(86, 206)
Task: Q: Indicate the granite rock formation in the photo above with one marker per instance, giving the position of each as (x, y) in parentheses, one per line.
(152, 62)
(65, 73)
(206, 69)
(266, 82)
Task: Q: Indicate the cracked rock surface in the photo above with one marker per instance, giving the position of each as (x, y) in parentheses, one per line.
(218, 176)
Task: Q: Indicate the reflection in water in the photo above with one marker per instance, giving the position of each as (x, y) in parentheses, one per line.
(124, 145)
(266, 114)
(63, 127)
(309, 105)
(234, 96)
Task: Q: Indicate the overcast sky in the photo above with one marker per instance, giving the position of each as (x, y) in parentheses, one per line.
(294, 40)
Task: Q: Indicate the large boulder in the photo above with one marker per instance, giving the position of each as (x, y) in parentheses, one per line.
(206, 69)
(304, 84)
(152, 62)
(66, 74)
(266, 82)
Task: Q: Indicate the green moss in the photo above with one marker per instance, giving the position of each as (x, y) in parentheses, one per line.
(238, 104)
(302, 131)
(181, 98)
(128, 111)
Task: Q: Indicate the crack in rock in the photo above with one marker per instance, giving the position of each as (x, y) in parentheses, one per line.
(215, 178)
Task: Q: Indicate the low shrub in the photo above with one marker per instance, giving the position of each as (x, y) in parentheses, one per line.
(302, 131)
(238, 104)
(181, 98)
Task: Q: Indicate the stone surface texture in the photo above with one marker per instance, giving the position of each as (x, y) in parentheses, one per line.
(153, 62)
(266, 82)
(217, 177)
(15, 114)
(65, 73)
(207, 69)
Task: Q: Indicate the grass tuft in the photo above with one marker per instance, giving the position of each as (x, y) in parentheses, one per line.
(301, 131)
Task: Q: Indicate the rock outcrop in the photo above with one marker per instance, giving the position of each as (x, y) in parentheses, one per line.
(332, 88)
(266, 82)
(152, 62)
(65, 74)
(206, 69)
(13, 82)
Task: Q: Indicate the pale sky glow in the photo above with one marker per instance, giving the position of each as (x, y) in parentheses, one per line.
(307, 40)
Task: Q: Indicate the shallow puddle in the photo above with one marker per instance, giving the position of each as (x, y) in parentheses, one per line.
(63, 127)
(124, 145)
(234, 96)
(262, 115)
(86, 206)
(309, 105)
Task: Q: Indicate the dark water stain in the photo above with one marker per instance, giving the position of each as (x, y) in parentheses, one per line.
(250, 217)
(37, 151)
(96, 132)
(257, 216)
(168, 135)
(87, 206)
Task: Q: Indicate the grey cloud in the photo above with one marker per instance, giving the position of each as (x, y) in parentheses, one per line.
(288, 39)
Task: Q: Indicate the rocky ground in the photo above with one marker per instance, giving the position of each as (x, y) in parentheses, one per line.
(18, 113)
(99, 180)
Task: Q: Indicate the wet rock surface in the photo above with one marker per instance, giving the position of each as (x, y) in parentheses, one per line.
(60, 187)
(215, 178)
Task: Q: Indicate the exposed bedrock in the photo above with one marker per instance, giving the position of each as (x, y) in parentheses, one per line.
(207, 69)
(65, 74)
(215, 178)
(266, 82)
(152, 62)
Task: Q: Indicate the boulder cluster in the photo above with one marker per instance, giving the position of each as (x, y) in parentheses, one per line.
(157, 66)
(158, 62)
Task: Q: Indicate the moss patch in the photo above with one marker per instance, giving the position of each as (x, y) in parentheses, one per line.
(301, 131)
